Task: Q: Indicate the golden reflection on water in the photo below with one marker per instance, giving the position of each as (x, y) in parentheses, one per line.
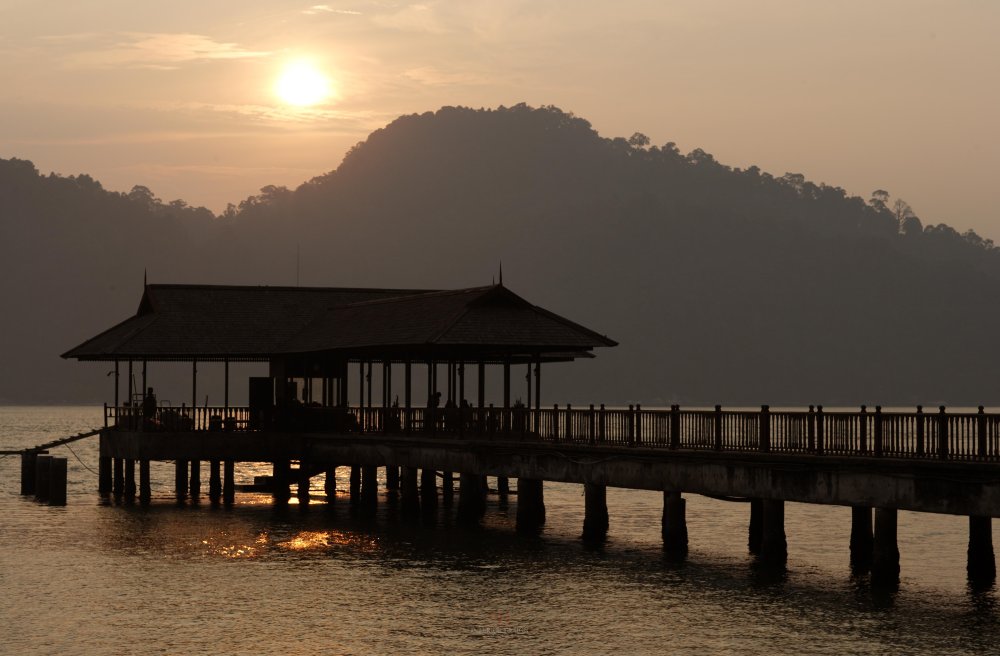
(235, 550)
(307, 540)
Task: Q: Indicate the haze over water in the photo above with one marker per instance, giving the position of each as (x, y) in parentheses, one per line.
(254, 579)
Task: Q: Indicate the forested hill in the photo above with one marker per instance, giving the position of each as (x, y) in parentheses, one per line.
(722, 285)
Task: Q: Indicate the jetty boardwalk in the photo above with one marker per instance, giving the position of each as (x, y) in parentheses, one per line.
(321, 345)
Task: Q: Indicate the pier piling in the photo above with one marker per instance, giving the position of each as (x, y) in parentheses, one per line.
(530, 505)
(228, 482)
(595, 512)
(862, 539)
(195, 481)
(144, 487)
(755, 531)
(410, 496)
(355, 484)
(43, 467)
(118, 484)
(57, 482)
(471, 501)
(214, 481)
(673, 525)
(428, 490)
(369, 488)
(392, 478)
(773, 546)
(28, 466)
(103, 476)
(885, 552)
(981, 565)
(281, 481)
(180, 480)
(447, 489)
(129, 480)
(302, 488)
(330, 484)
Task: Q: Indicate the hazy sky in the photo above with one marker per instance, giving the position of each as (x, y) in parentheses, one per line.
(179, 96)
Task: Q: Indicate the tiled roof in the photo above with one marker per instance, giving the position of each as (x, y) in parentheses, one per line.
(213, 322)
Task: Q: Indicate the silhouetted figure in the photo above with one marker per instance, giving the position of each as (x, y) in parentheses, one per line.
(149, 408)
(450, 416)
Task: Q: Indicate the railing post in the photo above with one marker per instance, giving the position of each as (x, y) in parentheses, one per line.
(942, 434)
(569, 423)
(105, 415)
(765, 429)
(863, 430)
(718, 428)
(920, 430)
(602, 425)
(981, 425)
(555, 422)
(631, 425)
(811, 430)
(819, 430)
(590, 424)
(637, 426)
(878, 431)
(675, 427)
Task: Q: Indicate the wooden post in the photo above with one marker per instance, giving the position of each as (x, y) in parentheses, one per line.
(354, 488)
(885, 552)
(920, 430)
(765, 429)
(281, 485)
(145, 491)
(302, 487)
(29, 466)
(505, 424)
(942, 434)
(195, 485)
(180, 479)
(409, 494)
(119, 478)
(228, 482)
(447, 488)
(43, 471)
(595, 512)
(57, 482)
(428, 490)
(602, 425)
(863, 430)
(878, 439)
(981, 567)
(129, 480)
(862, 539)
(117, 402)
(982, 446)
(408, 396)
(214, 481)
(673, 525)
(369, 488)
(530, 505)
(225, 378)
(194, 389)
(392, 478)
(773, 546)
(811, 431)
(819, 430)
(631, 425)
(675, 427)
(755, 532)
(361, 385)
(718, 428)
(471, 500)
(330, 484)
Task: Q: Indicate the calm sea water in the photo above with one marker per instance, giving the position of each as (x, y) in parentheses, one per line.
(254, 579)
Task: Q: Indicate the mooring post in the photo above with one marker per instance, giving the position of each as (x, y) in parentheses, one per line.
(862, 539)
(773, 547)
(145, 492)
(885, 552)
(392, 477)
(180, 479)
(756, 530)
(195, 481)
(118, 484)
(214, 481)
(43, 469)
(369, 488)
(354, 485)
(471, 501)
(330, 484)
(28, 467)
(673, 525)
(228, 482)
(595, 512)
(57, 482)
(428, 490)
(447, 489)
(129, 480)
(981, 565)
(530, 505)
(409, 493)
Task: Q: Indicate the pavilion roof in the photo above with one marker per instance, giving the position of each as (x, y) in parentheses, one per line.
(208, 322)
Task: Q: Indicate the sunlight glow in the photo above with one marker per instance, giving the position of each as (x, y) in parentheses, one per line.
(302, 84)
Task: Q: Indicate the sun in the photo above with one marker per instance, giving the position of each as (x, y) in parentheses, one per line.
(302, 84)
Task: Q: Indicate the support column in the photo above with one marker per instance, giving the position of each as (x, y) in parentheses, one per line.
(885, 552)
(330, 484)
(195, 486)
(118, 482)
(226, 387)
(503, 490)
(43, 469)
(369, 488)
(214, 481)
(773, 547)
(862, 539)
(673, 525)
(471, 501)
(228, 482)
(28, 465)
(57, 482)
(447, 489)
(355, 485)
(103, 475)
(180, 479)
(302, 489)
(392, 477)
(145, 491)
(129, 480)
(595, 511)
(756, 530)
(409, 495)
(280, 481)
(428, 490)
(530, 505)
(981, 566)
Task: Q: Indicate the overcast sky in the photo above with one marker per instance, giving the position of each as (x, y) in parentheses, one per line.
(179, 96)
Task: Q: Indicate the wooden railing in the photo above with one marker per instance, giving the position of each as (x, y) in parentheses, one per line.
(871, 433)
